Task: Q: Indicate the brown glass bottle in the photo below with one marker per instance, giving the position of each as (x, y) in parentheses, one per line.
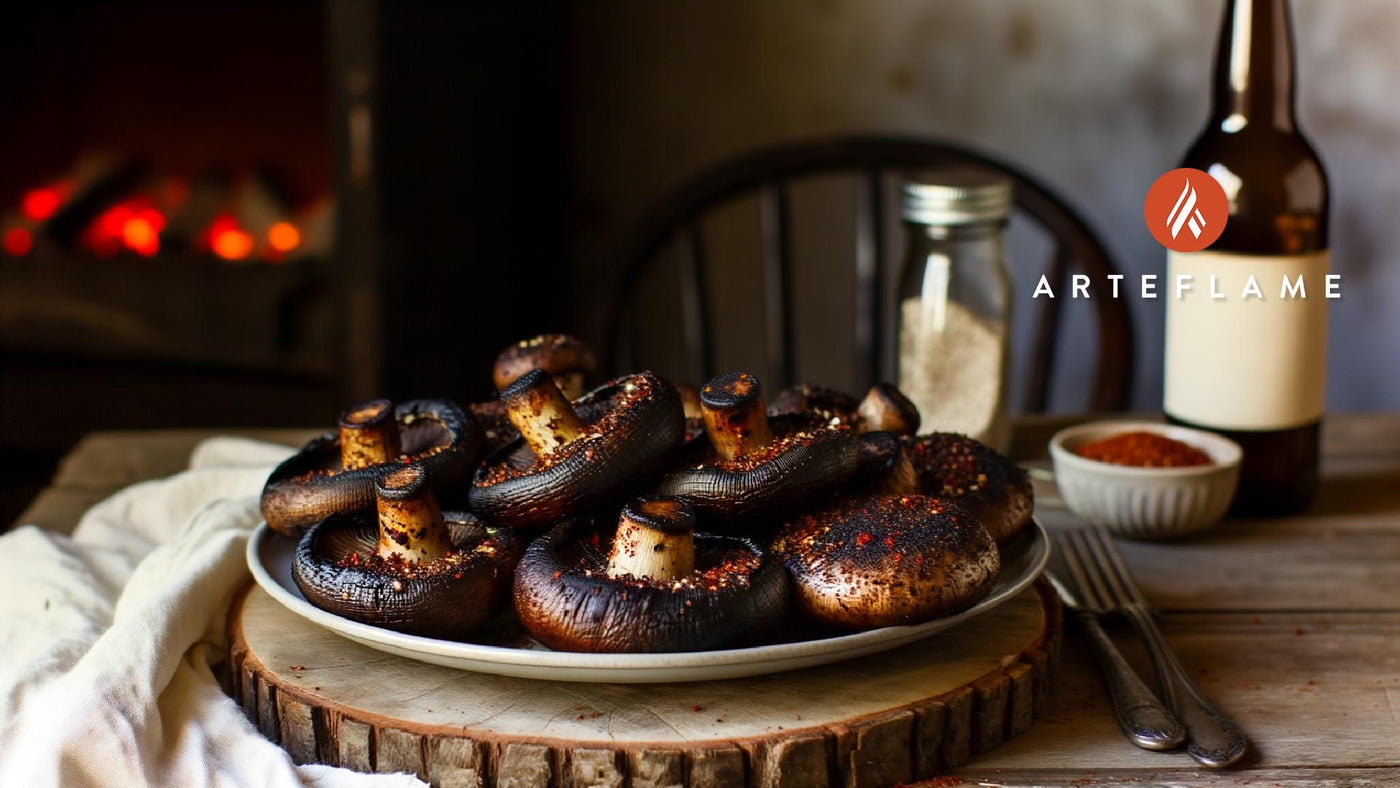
(1261, 387)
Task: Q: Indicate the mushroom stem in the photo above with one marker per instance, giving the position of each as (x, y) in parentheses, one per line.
(369, 435)
(735, 416)
(538, 409)
(902, 479)
(410, 523)
(886, 409)
(655, 540)
(570, 384)
(690, 402)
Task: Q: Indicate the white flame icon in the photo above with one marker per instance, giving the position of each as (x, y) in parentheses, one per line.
(1185, 212)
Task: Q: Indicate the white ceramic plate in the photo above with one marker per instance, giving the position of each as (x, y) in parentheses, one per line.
(270, 559)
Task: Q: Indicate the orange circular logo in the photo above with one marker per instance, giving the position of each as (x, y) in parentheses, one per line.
(1186, 210)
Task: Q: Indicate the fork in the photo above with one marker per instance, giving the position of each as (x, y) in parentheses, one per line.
(1215, 741)
(1142, 718)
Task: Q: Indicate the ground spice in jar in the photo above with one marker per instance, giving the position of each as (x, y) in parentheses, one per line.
(950, 367)
(1143, 449)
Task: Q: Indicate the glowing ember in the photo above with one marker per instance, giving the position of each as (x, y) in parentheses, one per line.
(141, 236)
(40, 204)
(227, 239)
(283, 237)
(132, 225)
(18, 242)
(136, 223)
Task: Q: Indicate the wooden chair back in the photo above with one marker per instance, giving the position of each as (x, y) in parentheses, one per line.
(769, 173)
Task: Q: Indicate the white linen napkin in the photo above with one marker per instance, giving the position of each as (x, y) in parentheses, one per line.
(106, 639)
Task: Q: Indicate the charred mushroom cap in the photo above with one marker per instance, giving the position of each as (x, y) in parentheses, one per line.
(823, 404)
(575, 591)
(566, 359)
(417, 570)
(989, 485)
(496, 429)
(572, 459)
(886, 409)
(753, 466)
(884, 466)
(887, 561)
(335, 473)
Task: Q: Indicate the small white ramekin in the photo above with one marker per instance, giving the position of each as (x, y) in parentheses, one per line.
(1146, 503)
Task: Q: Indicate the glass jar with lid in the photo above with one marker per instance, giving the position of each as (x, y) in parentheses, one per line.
(955, 303)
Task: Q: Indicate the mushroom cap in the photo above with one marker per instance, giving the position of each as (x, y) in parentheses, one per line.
(804, 462)
(566, 600)
(886, 408)
(496, 429)
(821, 403)
(633, 427)
(446, 598)
(880, 453)
(554, 353)
(988, 484)
(310, 485)
(887, 560)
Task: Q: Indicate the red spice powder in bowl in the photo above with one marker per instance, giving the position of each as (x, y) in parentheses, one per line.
(1145, 480)
(1143, 449)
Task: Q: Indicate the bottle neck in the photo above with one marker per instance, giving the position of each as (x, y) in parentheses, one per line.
(1254, 67)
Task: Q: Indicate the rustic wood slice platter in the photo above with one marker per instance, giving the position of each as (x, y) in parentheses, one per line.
(892, 717)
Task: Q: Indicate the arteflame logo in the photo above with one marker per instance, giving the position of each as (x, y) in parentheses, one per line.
(1186, 210)
(1186, 207)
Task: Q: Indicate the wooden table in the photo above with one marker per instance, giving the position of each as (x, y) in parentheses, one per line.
(1292, 625)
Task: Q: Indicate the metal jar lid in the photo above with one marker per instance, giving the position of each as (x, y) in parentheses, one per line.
(957, 196)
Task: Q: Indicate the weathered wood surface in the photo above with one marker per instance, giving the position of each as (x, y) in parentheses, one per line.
(1256, 610)
(909, 713)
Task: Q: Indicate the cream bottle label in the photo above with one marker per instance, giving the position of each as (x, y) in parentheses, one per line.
(1246, 348)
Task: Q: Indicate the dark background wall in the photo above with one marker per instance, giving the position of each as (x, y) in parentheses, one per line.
(472, 184)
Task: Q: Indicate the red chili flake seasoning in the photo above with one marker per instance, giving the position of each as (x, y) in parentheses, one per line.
(1143, 449)
(863, 539)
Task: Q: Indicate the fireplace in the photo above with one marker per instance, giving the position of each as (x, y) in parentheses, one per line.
(237, 214)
